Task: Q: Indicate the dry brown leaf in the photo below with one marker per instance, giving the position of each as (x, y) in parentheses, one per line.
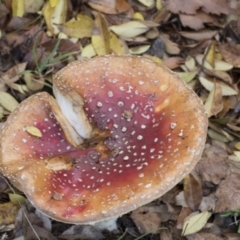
(110, 6)
(230, 53)
(214, 103)
(192, 192)
(204, 236)
(219, 74)
(185, 211)
(213, 165)
(199, 35)
(228, 195)
(101, 36)
(197, 20)
(170, 46)
(213, 6)
(146, 219)
(173, 62)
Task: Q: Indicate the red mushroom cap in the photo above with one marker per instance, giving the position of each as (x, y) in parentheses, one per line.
(156, 129)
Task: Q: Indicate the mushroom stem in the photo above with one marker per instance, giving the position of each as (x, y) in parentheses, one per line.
(71, 104)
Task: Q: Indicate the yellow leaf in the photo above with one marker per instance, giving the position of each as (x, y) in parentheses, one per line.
(195, 222)
(53, 3)
(116, 45)
(101, 36)
(129, 29)
(17, 199)
(8, 213)
(33, 131)
(139, 49)
(226, 90)
(47, 13)
(237, 145)
(8, 101)
(88, 51)
(17, 8)
(211, 54)
(55, 15)
(138, 15)
(78, 28)
(187, 76)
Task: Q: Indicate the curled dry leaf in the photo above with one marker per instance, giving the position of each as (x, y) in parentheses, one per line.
(192, 192)
(230, 53)
(199, 35)
(129, 29)
(170, 46)
(214, 103)
(197, 21)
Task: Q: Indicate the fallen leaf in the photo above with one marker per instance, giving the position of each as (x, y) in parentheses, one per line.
(210, 57)
(88, 51)
(8, 212)
(116, 45)
(213, 164)
(187, 76)
(170, 46)
(230, 53)
(219, 74)
(195, 222)
(8, 101)
(198, 20)
(129, 29)
(192, 192)
(18, 8)
(110, 6)
(146, 220)
(227, 194)
(147, 3)
(139, 49)
(213, 6)
(78, 28)
(209, 85)
(214, 103)
(199, 35)
(101, 36)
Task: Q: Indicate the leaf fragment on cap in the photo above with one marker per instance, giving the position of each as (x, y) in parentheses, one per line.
(33, 131)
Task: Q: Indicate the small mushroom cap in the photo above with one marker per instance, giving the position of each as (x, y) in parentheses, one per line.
(157, 131)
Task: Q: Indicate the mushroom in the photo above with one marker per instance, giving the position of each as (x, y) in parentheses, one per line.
(123, 131)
